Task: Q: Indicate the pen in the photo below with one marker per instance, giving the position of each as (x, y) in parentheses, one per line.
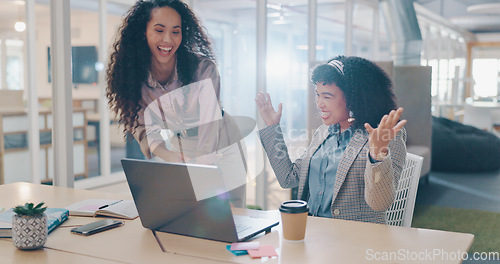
(106, 205)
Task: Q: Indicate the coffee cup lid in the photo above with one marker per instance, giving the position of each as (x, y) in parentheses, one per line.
(294, 207)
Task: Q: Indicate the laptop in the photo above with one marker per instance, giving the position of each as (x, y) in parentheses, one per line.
(188, 199)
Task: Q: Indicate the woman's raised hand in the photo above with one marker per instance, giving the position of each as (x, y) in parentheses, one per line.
(387, 129)
(266, 109)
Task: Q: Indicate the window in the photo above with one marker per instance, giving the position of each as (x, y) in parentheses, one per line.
(14, 64)
(485, 70)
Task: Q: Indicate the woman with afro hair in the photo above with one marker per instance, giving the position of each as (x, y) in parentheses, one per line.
(352, 166)
(164, 86)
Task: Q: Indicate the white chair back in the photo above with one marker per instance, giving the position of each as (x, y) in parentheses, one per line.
(401, 211)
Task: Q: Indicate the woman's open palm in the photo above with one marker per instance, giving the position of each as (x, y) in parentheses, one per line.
(266, 109)
(387, 129)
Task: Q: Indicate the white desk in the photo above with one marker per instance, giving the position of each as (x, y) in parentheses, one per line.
(130, 243)
(480, 114)
(489, 105)
(326, 241)
(10, 254)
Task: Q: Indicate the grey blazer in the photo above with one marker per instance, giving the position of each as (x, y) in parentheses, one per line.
(363, 190)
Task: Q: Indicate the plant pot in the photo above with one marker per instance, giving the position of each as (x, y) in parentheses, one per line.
(29, 232)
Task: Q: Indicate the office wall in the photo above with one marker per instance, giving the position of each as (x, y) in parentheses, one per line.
(488, 37)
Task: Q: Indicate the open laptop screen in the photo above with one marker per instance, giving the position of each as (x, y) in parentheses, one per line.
(181, 199)
(188, 199)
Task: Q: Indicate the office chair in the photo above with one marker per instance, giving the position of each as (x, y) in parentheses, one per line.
(401, 211)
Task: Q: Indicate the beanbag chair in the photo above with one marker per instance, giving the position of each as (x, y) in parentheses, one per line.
(461, 148)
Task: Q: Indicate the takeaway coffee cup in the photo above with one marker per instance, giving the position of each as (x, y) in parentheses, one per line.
(294, 219)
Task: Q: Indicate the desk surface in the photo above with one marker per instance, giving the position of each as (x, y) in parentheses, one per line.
(326, 240)
(491, 105)
(10, 254)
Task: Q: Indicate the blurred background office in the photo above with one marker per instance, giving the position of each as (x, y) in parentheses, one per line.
(444, 56)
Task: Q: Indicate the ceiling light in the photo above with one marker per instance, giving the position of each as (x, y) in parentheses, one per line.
(305, 47)
(274, 6)
(20, 26)
(281, 21)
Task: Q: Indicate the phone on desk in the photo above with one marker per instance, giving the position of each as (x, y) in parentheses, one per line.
(96, 227)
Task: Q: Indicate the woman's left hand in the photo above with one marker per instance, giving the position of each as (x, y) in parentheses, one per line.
(387, 129)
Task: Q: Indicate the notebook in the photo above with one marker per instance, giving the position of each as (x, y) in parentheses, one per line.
(104, 207)
(55, 217)
(188, 199)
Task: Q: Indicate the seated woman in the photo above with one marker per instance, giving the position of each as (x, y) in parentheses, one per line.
(352, 166)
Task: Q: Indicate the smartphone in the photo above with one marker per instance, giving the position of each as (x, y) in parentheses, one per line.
(96, 227)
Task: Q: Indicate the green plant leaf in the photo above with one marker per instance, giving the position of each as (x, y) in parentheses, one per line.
(29, 209)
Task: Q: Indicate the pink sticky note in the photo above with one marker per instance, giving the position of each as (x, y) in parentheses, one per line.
(245, 245)
(263, 251)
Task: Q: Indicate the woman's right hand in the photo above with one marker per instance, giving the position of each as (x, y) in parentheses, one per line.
(169, 155)
(270, 116)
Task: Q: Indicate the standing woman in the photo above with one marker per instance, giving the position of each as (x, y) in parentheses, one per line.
(353, 164)
(162, 76)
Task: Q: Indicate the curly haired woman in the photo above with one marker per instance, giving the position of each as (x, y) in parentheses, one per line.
(352, 166)
(163, 82)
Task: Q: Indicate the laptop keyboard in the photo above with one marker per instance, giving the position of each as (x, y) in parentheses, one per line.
(247, 226)
(241, 227)
(241, 223)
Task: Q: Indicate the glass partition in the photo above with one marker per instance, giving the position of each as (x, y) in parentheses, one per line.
(288, 79)
(444, 49)
(14, 151)
(330, 39)
(232, 27)
(85, 25)
(85, 89)
(362, 30)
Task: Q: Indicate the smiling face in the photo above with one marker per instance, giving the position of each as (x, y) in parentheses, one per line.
(332, 105)
(164, 35)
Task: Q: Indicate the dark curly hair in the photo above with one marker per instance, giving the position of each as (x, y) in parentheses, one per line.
(131, 59)
(367, 88)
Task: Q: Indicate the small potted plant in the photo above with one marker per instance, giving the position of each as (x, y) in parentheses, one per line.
(29, 226)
